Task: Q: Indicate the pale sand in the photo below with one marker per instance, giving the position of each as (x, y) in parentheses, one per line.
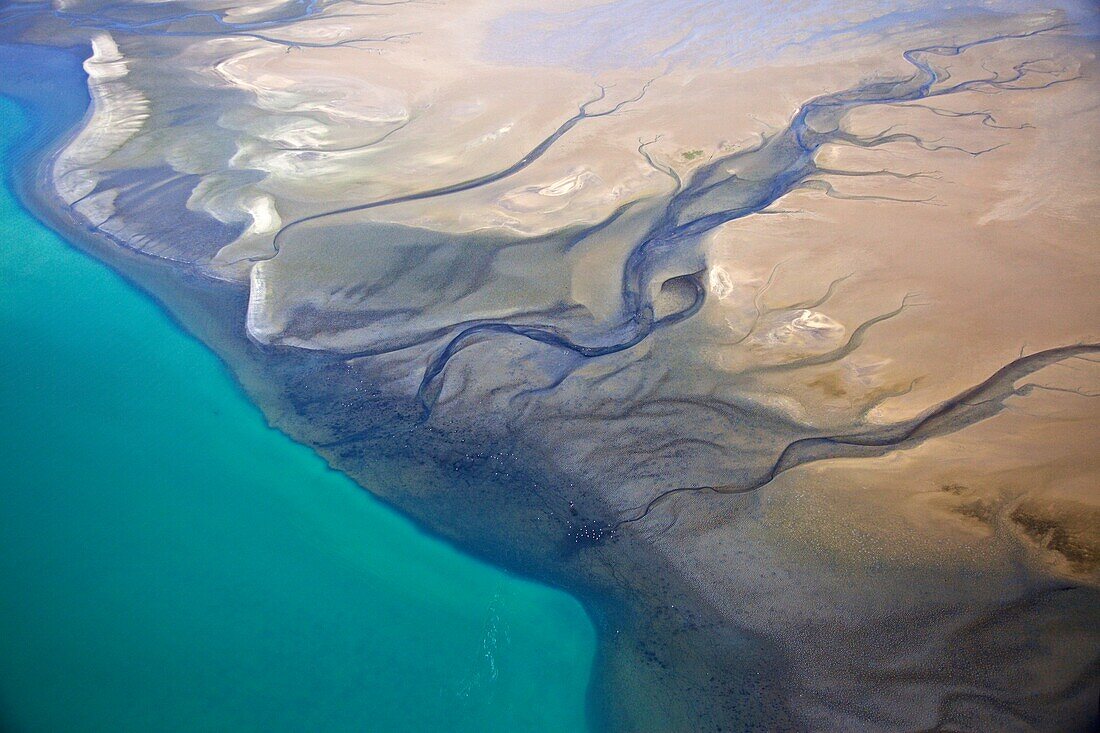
(870, 577)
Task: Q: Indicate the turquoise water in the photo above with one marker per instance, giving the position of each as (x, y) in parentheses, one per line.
(168, 562)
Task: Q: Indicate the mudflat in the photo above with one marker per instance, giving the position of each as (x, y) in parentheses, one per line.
(770, 333)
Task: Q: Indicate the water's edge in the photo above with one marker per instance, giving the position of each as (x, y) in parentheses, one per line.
(661, 664)
(212, 312)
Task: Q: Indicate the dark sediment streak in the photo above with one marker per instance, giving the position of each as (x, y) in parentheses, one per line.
(492, 499)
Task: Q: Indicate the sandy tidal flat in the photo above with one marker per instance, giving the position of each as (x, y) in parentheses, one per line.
(769, 332)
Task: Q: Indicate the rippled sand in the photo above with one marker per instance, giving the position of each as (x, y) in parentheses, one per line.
(769, 333)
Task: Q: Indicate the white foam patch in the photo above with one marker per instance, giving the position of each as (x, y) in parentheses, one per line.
(806, 328)
(720, 282)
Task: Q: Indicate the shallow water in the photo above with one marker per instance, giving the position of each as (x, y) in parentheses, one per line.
(169, 562)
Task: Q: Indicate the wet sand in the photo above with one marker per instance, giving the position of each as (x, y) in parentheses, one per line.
(748, 441)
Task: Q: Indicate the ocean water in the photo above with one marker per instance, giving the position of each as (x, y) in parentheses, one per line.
(168, 562)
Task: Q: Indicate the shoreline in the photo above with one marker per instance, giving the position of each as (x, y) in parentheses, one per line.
(164, 544)
(208, 309)
(832, 595)
(635, 656)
